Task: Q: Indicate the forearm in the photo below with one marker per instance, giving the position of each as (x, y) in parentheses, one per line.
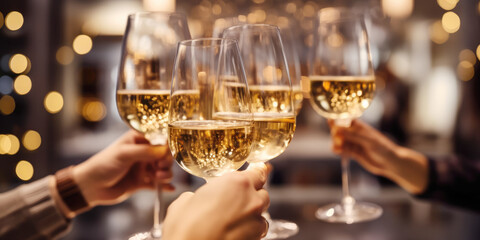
(30, 212)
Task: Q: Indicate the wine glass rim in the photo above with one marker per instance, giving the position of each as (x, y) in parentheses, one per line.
(156, 13)
(253, 26)
(216, 41)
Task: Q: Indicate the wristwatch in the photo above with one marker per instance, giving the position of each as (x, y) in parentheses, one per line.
(69, 191)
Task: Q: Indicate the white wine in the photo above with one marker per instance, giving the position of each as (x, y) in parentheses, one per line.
(185, 105)
(271, 99)
(341, 97)
(297, 98)
(145, 111)
(210, 148)
(272, 134)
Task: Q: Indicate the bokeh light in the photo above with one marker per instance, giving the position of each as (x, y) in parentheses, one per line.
(82, 44)
(22, 84)
(14, 144)
(7, 105)
(437, 34)
(467, 55)
(6, 85)
(94, 111)
(447, 4)
(14, 20)
(65, 55)
(53, 102)
(5, 144)
(465, 70)
(1, 19)
(31, 140)
(24, 170)
(450, 22)
(478, 52)
(19, 63)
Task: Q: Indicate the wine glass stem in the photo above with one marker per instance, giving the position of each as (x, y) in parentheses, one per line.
(157, 213)
(347, 201)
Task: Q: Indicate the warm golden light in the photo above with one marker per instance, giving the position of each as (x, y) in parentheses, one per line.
(467, 55)
(31, 140)
(7, 105)
(1, 19)
(53, 102)
(64, 55)
(5, 144)
(465, 70)
(24, 170)
(291, 7)
(450, 22)
(22, 84)
(14, 20)
(94, 111)
(447, 4)
(478, 52)
(437, 33)
(216, 9)
(14, 144)
(82, 44)
(19, 63)
(397, 8)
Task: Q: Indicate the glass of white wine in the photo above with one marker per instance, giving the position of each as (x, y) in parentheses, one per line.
(272, 103)
(143, 87)
(210, 129)
(342, 86)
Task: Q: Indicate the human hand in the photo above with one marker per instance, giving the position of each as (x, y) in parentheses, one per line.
(127, 165)
(226, 208)
(380, 156)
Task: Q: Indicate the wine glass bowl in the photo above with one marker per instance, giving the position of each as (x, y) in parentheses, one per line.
(342, 86)
(210, 119)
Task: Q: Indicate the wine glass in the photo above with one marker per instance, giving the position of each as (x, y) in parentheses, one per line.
(272, 104)
(143, 87)
(342, 86)
(293, 61)
(210, 129)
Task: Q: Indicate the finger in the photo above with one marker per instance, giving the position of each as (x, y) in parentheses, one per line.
(257, 174)
(141, 153)
(166, 161)
(265, 198)
(164, 176)
(250, 228)
(168, 187)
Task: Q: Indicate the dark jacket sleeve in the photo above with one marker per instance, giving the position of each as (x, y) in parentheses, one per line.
(455, 181)
(29, 212)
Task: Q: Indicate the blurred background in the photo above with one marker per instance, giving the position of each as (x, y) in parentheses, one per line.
(58, 68)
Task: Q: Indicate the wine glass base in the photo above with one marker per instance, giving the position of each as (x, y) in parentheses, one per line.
(144, 236)
(280, 229)
(358, 212)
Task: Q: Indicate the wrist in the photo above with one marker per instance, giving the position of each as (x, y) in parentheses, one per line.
(411, 170)
(58, 200)
(68, 194)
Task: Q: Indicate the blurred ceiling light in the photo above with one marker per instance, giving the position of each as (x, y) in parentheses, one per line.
(260, 15)
(159, 5)
(465, 70)
(22, 84)
(437, 33)
(14, 144)
(258, 1)
(82, 44)
(6, 85)
(450, 22)
(64, 55)
(31, 140)
(94, 111)
(467, 55)
(24, 170)
(53, 102)
(242, 18)
(109, 18)
(19, 63)
(5, 144)
(7, 105)
(447, 4)
(478, 52)
(1, 19)
(397, 8)
(216, 9)
(14, 20)
(308, 10)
